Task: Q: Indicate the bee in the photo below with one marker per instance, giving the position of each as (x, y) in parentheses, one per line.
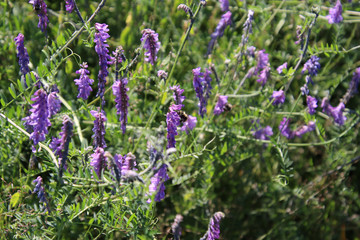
(183, 116)
(228, 107)
(37, 7)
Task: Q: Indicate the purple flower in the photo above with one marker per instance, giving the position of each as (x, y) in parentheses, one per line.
(220, 105)
(178, 98)
(69, 5)
(162, 74)
(335, 112)
(279, 97)
(54, 104)
(172, 122)
(312, 66)
(22, 54)
(250, 51)
(99, 129)
(281, 67)
(122, 100)
(126, 162)
(219, 31)
(262, 61)
(84, 82)
(285, 129)
(157, 183)
(304, 129)
(264, 76)
(39, 118)
(354, 84)
(214, 226)
(175, 227)
(247, 28)
(39, 189)
(263, 133)
(224, 5)
(202, 86)
(101, 48)
(335, 13)
(98, 161)
(152, 45)
(189, 124)
(60, 146)
(40, 8)
(299, 36)
(312, 104)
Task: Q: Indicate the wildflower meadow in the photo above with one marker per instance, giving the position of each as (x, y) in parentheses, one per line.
(160, 119)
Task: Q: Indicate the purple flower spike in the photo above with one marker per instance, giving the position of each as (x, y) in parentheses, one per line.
(262, 61)
(122, 101)
(40, 8)
(172, 122)
(178, 98)
(60, 146)
(98, 161)
(335, 13)
(279, 97)
(281, 67)
(219, 31)
(84, 81)
(202, 86)
(335, 112)
(263, 133)
(312, 66)
(39, 189)
(264, 76)
(69, 5)
(304, 129)
(312, 104)
(224, 5)
(285, 128)
(157, 184)
(152, 45)
(162, 74)
(175, 227)
(39, 117)
(189, 124)
(53, 101)
(99, 129)
(220, 105)
(22, 54)
(213, 231)
(101, 48)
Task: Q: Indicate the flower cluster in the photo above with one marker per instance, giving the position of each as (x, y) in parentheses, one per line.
(176, 228)
(279, 97)
(288, 133)
(69, 5)
(162, 74)
(281, 67)
(312, 104)
(224, 5)
(101, 48)
(202, 86)
(335, 112)
(83, 82)
(353, 86)
(157, 183)
(219, 31)
(213, 231)
(122, 100)
(22, 54)
(99, 129)
(152, 45)
(263, 133)
(178, 98)
(39, 189)
(221, 105)
(60, 146)
(262, 68)
(335, 13)
(40, 8)
(98, 161)
(54, 103)
(39, 118)
(312, 66)
(247, 28)
(172, 122)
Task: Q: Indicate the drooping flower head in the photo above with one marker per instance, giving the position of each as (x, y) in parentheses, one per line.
(189, 124)
(176, 228)
(336, 112)
(84, 81)
(99, 129)
(219, 31)
(39, 118)
(152, 45)
(312, 104)
(279, 97)
(101, 48)
(281, 67)
(304, 129)
(69, 5)
(224, 5)
(22, 54)
(202, 86)
(40, 8)
(335, 13)
(40, 190)
(60, 146)
(264, 75)
(122, 100)
(54, 103)
(247, 28)
(213, 231)
(220, 105)
(312, 65)
(285, 128)
(178, 98)
(98, 161)
(262, 61)
(172, 122)
(157, 184)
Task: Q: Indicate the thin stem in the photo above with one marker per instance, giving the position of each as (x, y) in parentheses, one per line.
(78, 12)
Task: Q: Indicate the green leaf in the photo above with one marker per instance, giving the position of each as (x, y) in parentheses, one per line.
(12, 90)
(224, 149)
(15, 198)
(2, 102)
